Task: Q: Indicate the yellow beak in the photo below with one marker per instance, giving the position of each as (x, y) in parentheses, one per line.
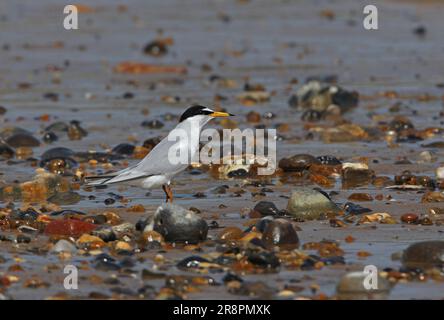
(221, 114)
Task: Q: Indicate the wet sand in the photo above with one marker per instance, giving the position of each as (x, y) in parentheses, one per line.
(271, 43)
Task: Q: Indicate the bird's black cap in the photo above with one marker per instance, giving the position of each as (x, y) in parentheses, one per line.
(201, 110)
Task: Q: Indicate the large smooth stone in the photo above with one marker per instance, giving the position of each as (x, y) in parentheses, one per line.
(309, 204)
(351, 287)
(281, 233)
(177, 224)
(424, 255)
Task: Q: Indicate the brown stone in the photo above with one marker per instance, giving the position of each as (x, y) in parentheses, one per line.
(230, 233)
(280, 232)
(433, 196)
(360, 197)
(410, 218)
(69, 227)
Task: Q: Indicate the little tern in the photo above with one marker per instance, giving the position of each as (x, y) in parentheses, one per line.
(157, 169)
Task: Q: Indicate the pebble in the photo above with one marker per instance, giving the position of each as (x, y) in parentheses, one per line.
(109, 201)
(64, 246)
(351, 287)
(230, 233)
(59, 127)
(293, 101)
(329, 160)
(51, 96)
(22, 140)
(280, 232)
(230, 276)
(177, 224)
(192, 262)
(420, 31)
(309, 204)
(65, 198)
(440, 173)
(21, 238)
(355, 209)
(95, 157)
(253, 117)
(156, 48)
(266, 208)
(152, 236)
(409, 218)
(67, 212)
(264, 259)
(96, 219)
(297, 163)
(312, 116)
(23, 152)
(124, 149)
(27, 229)
(25, 215)
(253, 97)
(425, 221)
(152, 124)
(354, 175)
(6, 152)
(69, 227)
(235, 170)
(58, 153)
(433, 196)
(360, 197)
(75, 131)
(8, 132)
(105, 262)
(128, 95)
(123, 229)
(90, 242)
(400, 123)
(122, 246)
(433, 145)
(252, 290)
(436, 211)
(50, 137)
(262, 224)
(250, 236)
(424, 255)
(220, 189)
(105, 233)
(428, 156)
(323, 97)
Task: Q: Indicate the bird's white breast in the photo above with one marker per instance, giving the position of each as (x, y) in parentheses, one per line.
(154, 181)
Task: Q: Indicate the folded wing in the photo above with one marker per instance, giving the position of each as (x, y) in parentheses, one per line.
(155, 163)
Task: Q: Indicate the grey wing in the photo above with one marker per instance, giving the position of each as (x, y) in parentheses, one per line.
(156, 162)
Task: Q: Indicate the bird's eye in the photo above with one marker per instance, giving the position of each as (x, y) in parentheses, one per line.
(207, 111)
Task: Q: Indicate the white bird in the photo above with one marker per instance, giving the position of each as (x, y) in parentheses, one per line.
(158, 167)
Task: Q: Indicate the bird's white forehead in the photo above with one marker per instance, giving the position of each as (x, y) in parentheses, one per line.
(207, 109)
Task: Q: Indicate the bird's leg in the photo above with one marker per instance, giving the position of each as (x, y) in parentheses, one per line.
(168, 192)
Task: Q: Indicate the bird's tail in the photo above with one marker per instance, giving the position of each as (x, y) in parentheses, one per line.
(124, 175)
(97, 180)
